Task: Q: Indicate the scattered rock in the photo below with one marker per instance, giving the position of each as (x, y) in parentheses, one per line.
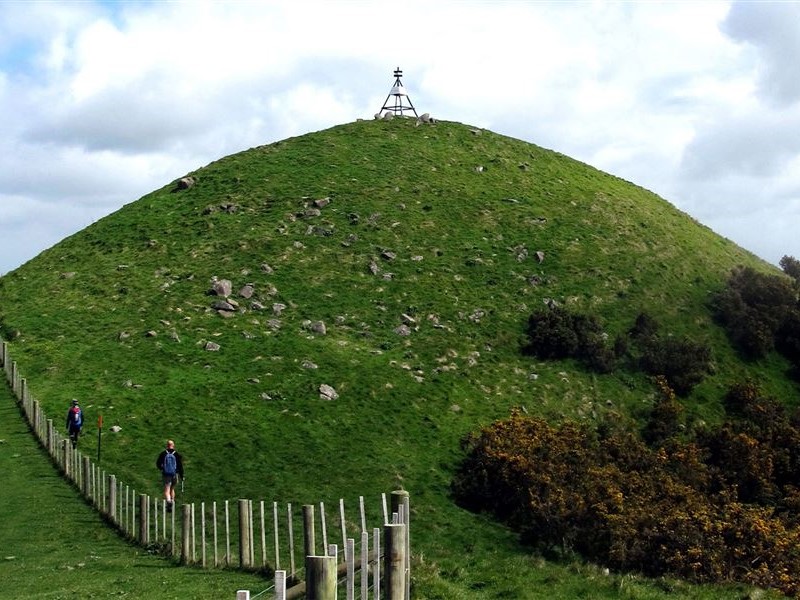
(327, 392)
(318, 327)
(278, 308)
(185, 183)
(403, 330)
(223, 305)
(247, 291)
(68, 275)
(212, 346)
(322, 202)
(274, 324)
(151, 333)
(408, 319)
(265, 268)
(256, 305)
(477, 315)
(221, 287)
(374, 268)
(307, 364)
(540, 256)
(480, 169)
(455, 408)
(388, 116)
(123, 335)
(388, 255)
(116, 429)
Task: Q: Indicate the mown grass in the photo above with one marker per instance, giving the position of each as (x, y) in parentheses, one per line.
(453, 247)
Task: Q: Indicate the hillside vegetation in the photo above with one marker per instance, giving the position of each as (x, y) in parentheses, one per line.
(399, 265)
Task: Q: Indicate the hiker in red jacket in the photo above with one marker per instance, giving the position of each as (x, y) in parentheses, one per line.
(170, 463)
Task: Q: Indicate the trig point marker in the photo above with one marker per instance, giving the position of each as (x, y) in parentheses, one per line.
(398, 102)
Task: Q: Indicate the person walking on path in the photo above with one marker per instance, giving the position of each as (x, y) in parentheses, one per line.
(74, 422)
(170, 463)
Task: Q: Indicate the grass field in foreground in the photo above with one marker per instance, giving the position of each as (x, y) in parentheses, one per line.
(53, 545)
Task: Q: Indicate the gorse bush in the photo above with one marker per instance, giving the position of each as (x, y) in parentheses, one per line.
(716, 508)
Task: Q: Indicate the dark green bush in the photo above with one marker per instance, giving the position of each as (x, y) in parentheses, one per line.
(753, 307)
(556, 333)
(791, 266)
(683, 362)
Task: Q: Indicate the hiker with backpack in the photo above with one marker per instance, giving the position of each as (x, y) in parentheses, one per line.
(170, 464)
(74, 422)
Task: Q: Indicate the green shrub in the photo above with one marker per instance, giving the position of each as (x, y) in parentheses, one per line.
(683, 362)
(752, 307)
(791, 266)
(555, 333)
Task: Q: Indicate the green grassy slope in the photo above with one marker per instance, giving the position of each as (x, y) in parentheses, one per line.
(55, 546)
(432, 227)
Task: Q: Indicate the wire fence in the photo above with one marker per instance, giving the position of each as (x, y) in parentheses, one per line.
(252, 535)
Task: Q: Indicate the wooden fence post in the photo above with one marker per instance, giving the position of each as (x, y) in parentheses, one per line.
(350, 560)
(203, 534)
(186, 540)
(308, 531)
(227, 534)
(244, 534)
(144, 514)
(280, 585)
(376, 562)
(402, 506)
(320, 578)
(291, 539)
(394, 561)
(263, 537)
(86, 477)
(276, 535)
(112, 498)
(214, 511)
(364, 565)
(63, 457)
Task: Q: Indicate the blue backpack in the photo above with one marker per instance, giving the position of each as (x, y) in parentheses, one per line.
(170, 464)
(77, 416)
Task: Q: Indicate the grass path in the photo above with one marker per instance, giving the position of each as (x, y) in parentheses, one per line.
(53, 545)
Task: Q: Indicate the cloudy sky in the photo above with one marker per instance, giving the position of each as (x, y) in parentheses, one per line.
(101, 102)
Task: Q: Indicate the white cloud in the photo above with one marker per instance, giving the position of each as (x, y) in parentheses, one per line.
(108, 101)
(773, 29)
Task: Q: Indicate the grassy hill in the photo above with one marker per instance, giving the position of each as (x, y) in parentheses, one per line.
(397, 264)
